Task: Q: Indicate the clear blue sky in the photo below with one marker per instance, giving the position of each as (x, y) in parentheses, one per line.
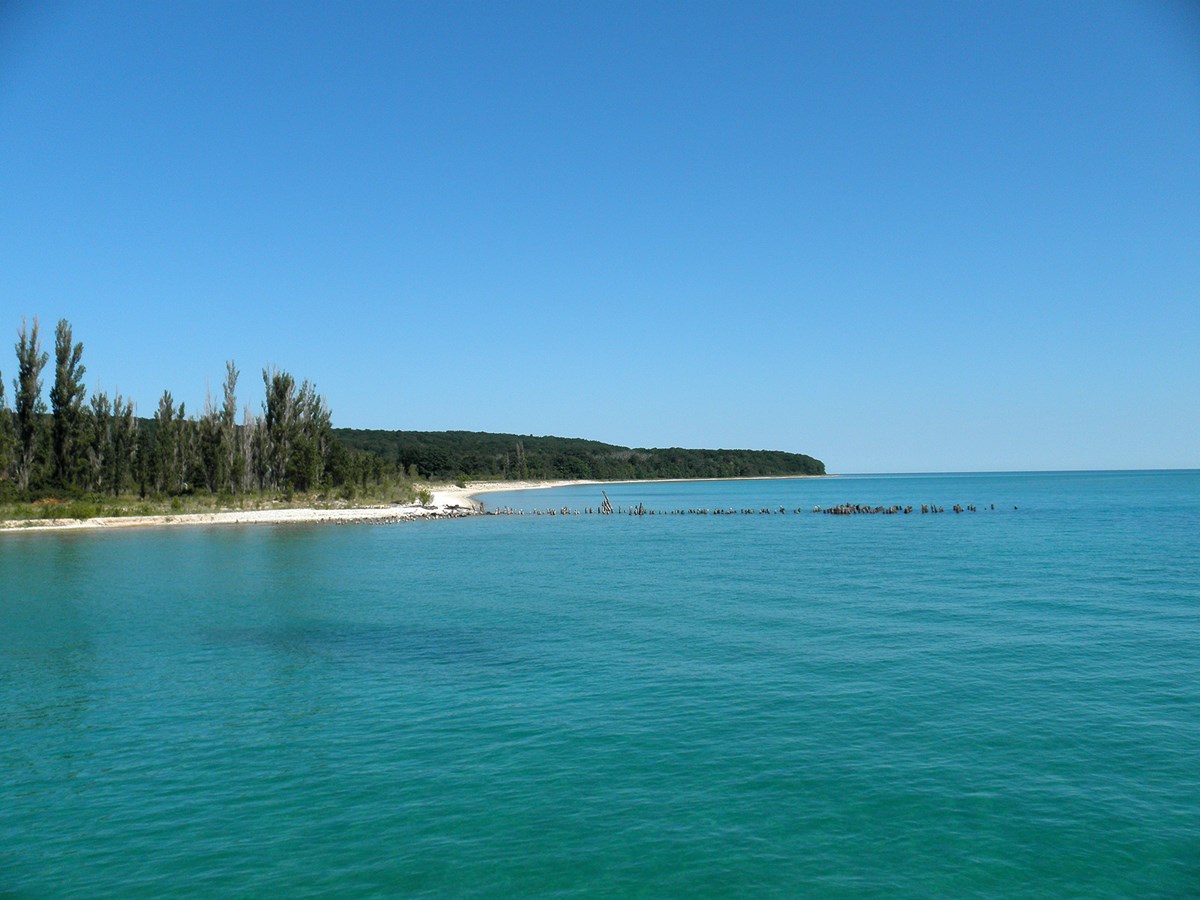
(899, 237)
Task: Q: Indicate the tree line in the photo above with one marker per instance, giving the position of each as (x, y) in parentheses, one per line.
(99, 445)
(481, 455)
(79, 444)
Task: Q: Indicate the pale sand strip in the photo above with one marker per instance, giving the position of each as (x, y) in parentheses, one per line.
(448, 502)
(476, 488)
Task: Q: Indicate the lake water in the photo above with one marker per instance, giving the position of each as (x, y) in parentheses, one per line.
(1004, 702)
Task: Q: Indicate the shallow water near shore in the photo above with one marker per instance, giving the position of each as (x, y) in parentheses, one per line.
(1002, 702)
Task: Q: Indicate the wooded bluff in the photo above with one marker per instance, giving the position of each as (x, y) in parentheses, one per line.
(483, 455)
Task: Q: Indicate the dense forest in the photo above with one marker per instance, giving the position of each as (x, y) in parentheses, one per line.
(480, 455)
(98, 445)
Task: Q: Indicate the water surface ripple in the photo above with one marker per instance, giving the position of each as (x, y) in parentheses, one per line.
(1002, 703)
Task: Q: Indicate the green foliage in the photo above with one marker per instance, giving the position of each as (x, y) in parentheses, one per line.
(66, 404)
(28, 403)
(480, 455)
(232, 463)
(124, 444)
(298, 436)
(102, 447)
(76, 509)
(166, 468)
(8, 440)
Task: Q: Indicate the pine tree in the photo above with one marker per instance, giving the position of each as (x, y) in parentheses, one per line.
(7, 441)
(66, 402)
(187, 457)
(313, 441)
(27, 402)
(166, 449)
(98, 444)
(233, 463)
(280, 412)
(125, 443)
(146, 471)
(209, 446)
(251, 443)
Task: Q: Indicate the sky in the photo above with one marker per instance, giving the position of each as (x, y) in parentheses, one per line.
(927, 236)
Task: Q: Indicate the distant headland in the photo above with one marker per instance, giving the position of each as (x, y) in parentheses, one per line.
(478, 455)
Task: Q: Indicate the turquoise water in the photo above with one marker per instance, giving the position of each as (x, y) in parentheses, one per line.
(996, 703)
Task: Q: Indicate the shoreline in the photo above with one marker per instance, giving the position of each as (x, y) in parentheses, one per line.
(497, 487)
(449, 502)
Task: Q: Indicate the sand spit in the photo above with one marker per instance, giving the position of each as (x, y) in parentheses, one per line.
(447, 503)
(488, 487)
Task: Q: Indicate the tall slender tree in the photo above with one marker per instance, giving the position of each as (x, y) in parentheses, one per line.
(166, 445)
(314, 436)
(99, 445)
(187, 459)
(98, 442)
(125, 442)
(7, 441)
(66, 401)
(208, 439)
(231, 456)
(251, 448)
(146, 462)
(28, 405)
(281, 415)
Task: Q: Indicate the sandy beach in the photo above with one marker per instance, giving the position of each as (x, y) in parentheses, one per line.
(448, 502)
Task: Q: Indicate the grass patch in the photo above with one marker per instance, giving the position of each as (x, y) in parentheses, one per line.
(94, 506)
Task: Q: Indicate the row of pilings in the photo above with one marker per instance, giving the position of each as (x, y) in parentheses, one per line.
(842, 509)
